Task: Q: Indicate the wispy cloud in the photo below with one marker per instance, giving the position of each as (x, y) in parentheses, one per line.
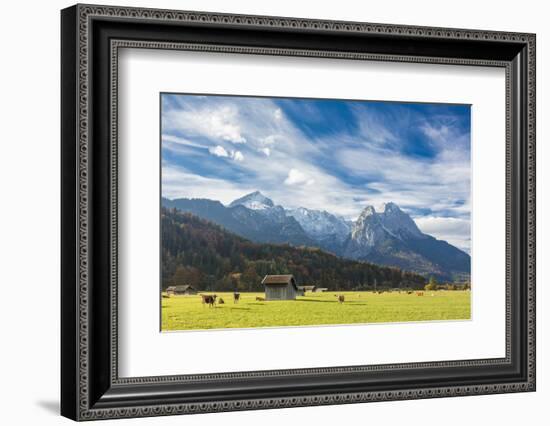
(177, 181)
(455, 231)
(214, 122)
(337, 156)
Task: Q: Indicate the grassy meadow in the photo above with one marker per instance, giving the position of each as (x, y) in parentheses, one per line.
(188, 312)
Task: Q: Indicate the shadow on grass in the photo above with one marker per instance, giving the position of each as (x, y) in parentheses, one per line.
(239, 309)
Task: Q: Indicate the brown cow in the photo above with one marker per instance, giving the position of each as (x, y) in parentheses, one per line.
(341, 298)
(209, 299)
(260, 299)
(236, 297)
(420, 293)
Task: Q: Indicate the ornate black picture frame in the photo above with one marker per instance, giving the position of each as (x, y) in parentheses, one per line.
(91, 37)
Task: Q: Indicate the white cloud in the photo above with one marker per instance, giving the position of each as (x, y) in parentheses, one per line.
(373, 155)
(440, 184)
(296, 177)
(269, 140)
(439, 134)
(237, 155)
(444, 135)
(218, 151)
(180, 183)
(453, 230)
(374, 128)
(218, 122)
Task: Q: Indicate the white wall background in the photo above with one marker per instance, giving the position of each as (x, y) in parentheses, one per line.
(29, 213)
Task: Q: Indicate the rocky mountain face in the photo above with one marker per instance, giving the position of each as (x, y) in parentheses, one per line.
(372, 229)
(328, 230)
(390, 237)
(210, 255)
(265, 223)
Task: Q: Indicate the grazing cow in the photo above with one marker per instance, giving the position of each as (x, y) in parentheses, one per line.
(221, 301)
(409, 292)
(209, 299)
(236, 297)
(260, 299)
(420, 293)
(341, 298)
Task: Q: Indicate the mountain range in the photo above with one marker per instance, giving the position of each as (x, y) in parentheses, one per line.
(390, 237)
(208, 257)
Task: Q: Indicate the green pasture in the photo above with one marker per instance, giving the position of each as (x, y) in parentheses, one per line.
(188, 312)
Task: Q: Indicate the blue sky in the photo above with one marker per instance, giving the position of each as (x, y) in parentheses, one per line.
(333, 155)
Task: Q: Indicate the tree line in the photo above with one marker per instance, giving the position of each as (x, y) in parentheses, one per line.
(433, 285)
(202, 254)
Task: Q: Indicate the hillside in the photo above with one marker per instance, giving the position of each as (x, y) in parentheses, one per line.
(203, 254)
(389, 237)
(269, 225)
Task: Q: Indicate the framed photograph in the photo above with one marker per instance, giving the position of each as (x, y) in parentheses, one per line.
(263, 212)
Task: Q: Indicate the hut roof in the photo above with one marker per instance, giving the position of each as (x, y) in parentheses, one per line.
(279, 280)
(181, 287)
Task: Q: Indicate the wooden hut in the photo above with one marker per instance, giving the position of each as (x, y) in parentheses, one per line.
(180, 289)
(280, 287)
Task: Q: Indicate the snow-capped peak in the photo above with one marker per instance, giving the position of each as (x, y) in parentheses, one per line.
(254, 201)
(320, 224)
